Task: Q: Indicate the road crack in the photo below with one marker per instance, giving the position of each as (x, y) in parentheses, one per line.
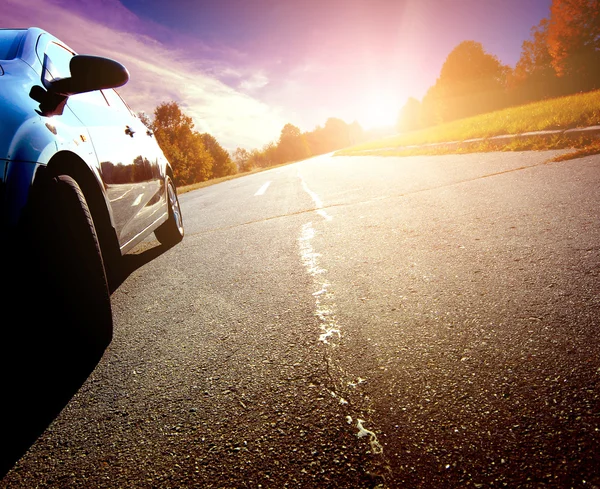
(330, 338)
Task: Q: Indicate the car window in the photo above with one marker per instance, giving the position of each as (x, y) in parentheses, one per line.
(10, 40)
(57, 60)
(116, 102)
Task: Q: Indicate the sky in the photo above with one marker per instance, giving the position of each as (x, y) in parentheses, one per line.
(242, 69)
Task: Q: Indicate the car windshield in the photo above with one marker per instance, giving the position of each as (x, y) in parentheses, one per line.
(9, 42)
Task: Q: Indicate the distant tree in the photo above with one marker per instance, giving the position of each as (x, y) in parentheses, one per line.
(292, 145)
(270, 154)
(357, 133)
(223, 165)
(409, 117)
(263, 158)
(316, 141)
(574, 42)
(257, 159)
(335, 134)
(241, 158)
(183, 147)
(431, 106)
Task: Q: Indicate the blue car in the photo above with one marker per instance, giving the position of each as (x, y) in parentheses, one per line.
(82, 179)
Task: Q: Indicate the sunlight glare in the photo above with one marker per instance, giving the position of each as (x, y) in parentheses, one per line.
(380, 110)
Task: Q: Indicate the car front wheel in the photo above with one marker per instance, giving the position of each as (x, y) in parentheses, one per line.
(58, 320)
(78, 268)
(171, 231)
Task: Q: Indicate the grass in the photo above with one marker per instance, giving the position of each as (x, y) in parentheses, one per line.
(582, 146)
(593, 148)
(573, 111)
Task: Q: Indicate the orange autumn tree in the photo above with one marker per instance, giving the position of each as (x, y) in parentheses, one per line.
(471, 82)
(534, 77)
(183, 146)
(574, 43)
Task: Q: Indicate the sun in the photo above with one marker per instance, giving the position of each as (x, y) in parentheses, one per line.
(380, 110)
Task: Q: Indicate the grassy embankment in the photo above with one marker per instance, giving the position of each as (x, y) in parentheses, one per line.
(481, 133)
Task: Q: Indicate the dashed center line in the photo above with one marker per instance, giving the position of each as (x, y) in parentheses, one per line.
(316, 199)
(262, 189)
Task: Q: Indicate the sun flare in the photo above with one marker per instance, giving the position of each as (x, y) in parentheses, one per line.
(380, 110)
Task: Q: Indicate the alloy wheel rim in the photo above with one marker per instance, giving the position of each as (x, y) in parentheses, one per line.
(175, 208)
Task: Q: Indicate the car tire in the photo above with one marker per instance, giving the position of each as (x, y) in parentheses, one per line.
(61, 313)
(75, 261)
(171, 231)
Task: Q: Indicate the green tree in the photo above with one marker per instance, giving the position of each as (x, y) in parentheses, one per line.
(183, 147)
(223, 165)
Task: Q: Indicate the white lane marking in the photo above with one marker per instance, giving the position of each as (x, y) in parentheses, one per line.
(313, 196)
(324, 305)
(316, 199)
(262, 189)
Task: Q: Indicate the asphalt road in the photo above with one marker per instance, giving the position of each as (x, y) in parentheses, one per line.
(353, 322)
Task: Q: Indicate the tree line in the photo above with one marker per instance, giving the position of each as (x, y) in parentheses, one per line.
(561, 57)
(197, 157)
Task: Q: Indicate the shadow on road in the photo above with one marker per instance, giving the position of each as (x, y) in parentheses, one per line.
(48, 349)
(132, 261)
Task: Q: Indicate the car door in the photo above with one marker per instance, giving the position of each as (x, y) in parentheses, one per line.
(128, 164)
(131, 170)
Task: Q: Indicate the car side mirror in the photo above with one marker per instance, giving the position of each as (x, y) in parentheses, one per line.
(89, 73)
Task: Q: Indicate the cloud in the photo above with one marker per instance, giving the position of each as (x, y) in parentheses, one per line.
(254, 82)
(159, 73)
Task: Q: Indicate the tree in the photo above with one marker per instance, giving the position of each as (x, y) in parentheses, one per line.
(223, 165)
(292, 144)
(241, 158)
(316, 141)
(431, 106)
(471, 82)
(183, 147)
(574, 42)
(270, 155)
(534, 77)
(334, 135)
(409, 117)
(356, 132)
